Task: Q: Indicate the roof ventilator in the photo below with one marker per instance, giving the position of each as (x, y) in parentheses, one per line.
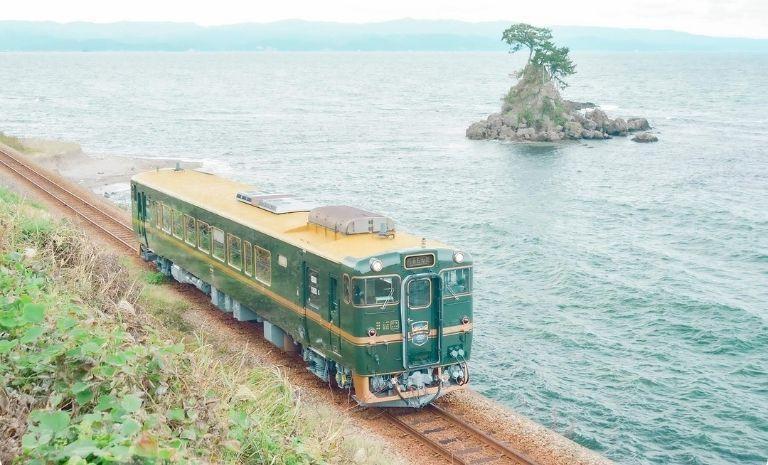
(351, 220)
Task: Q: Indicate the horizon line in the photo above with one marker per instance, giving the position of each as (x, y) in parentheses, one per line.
(354, 23)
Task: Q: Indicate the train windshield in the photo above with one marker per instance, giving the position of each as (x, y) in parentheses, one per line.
(457, 281)
(379, 290)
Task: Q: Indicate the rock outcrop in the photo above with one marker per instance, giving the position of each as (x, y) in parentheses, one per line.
(645, 137)
(533, 111)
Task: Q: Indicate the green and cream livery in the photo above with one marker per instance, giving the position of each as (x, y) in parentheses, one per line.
(381, 312)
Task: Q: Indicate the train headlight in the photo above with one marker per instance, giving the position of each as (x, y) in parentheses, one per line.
(465, 320)
(376, 265)
(371, 332)
(458, 256)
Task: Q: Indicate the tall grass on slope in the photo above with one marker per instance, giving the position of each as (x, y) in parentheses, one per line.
(89, 376)
(13, 142)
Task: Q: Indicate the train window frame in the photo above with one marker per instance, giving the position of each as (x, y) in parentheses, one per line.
(377, 304)
(316, 301)
(346, 288)
(258, 275)
(178, 226)
(449, 294)
(167, 218)
(218, 247)
(150, 211)
(247, 258)
(206, 249)
(408, 292)
(230, 239)
(190, 235)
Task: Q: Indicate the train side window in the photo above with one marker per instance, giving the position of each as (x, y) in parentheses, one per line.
(457, 281)
(346, 290)
(150, 212)
(167, 218)
(203, 236)
(158, 214)
(377, 291)
(247, 258)
(178, 224)
(313, 288)
(235, 248)
(219, 248)
(189, 226)
(262, 269)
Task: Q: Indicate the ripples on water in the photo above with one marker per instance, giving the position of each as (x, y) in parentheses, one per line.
(622, 289)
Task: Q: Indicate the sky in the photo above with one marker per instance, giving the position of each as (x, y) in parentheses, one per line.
(734, 18)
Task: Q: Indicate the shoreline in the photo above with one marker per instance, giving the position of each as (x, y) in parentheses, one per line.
(106, 175)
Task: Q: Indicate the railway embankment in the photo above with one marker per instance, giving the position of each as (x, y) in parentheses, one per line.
(166, 312)
(96, 364)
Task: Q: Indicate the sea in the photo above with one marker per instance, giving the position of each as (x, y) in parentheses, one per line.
(621, 289)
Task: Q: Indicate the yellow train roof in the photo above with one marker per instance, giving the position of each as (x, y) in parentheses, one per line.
(218, 195)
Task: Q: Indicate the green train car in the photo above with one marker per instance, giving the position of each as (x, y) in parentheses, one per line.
(377, 311)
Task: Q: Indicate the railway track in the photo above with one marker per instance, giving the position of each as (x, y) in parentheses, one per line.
(447, 434)
(117, 229)
(454, 438)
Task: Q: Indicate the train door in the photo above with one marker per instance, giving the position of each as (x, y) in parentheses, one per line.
(313, 301)
(140, 201)
(421, 308)
(334, 314)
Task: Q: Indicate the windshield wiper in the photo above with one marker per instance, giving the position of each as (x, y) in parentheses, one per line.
(448, 287)
(390, 297)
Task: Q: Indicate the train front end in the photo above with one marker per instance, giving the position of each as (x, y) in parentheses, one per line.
(415, 309)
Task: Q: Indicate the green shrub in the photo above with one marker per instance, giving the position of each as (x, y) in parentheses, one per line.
(155, 277)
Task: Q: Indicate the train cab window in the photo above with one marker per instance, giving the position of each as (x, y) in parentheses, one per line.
(247, 258)
(419, 293)
(178, 224)
(313, 288)
(189, 227)
(203, 236)
(457, 281)
(375, 291)
(262, 266)
(235, 248)
(219, 248)
(167, 218)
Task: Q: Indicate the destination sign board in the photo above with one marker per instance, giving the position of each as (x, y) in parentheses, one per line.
(420, 261)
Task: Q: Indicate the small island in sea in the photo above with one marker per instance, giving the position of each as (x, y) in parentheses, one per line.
(534, 111)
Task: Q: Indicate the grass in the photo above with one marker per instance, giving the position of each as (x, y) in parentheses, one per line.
(99, 367)
(13, 142)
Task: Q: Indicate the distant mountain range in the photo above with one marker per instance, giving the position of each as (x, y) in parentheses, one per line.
(296, 35)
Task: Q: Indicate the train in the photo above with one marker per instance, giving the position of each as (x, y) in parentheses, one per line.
(381, 313)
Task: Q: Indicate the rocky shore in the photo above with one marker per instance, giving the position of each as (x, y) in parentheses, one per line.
(592, 124)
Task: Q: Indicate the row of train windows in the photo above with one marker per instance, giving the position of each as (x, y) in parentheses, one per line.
(253, 260)
(385, 290)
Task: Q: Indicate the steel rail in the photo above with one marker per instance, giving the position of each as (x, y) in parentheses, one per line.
(476, 446)
(120, 231)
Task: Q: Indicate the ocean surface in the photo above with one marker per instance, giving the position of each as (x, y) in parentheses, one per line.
(621, 288)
